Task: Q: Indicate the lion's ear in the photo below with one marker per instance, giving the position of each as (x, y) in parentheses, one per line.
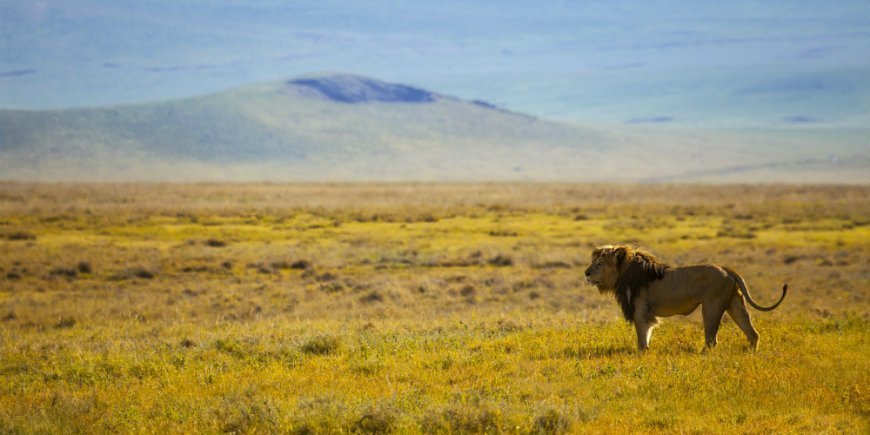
(621, 253)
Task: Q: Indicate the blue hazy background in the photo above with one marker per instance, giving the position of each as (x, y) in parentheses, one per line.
(734, 64)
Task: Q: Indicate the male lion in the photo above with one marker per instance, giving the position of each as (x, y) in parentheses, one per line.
(646, 288)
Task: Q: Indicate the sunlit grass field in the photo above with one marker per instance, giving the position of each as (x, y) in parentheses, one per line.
(420, 308)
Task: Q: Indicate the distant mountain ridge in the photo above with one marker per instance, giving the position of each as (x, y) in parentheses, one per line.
(351, 89)
(342, 127)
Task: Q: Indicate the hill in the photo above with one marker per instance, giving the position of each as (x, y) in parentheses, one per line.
(345, 128)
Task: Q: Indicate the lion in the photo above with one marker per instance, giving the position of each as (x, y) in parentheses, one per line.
(645, 289)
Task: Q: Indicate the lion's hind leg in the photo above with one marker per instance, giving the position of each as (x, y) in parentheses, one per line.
(738, 312)
(712, 319)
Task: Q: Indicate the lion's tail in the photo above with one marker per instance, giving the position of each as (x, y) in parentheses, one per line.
(740, 282)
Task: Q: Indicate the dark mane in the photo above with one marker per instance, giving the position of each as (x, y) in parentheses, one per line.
(642, 269)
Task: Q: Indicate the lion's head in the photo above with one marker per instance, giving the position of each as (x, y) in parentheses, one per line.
(622, 270)
(607, 262)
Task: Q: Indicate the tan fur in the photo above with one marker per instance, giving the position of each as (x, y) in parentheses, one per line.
(647, 289)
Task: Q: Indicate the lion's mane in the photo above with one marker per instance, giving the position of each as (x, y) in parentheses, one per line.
(639, 268)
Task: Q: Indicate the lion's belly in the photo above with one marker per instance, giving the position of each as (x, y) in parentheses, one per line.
(683, 309)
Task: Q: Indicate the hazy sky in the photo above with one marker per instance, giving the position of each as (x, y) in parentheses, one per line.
(689, 63)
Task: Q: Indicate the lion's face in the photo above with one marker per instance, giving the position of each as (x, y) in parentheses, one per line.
(603, 272)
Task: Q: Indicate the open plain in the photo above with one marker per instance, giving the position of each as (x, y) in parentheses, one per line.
(436, 308)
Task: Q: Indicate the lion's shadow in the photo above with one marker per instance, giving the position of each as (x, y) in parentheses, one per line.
(591, 351)
(596, 351)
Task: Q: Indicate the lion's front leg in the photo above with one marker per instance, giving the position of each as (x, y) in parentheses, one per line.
(644, 332)
(644, 322)
(643, 325)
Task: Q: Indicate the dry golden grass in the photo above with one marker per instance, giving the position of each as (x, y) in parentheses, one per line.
(419, 308)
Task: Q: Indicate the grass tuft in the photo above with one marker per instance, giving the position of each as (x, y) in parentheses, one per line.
(84, 267)
(301, 265)
(247, 412)
(20, 236)
(374, 296)
(130, 273)
(551, 421)
(463, 419)
(321, 345)
(66, 272)
(501, 260)
(377, 420)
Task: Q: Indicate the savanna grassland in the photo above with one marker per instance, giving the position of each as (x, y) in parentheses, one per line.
(457, 308)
